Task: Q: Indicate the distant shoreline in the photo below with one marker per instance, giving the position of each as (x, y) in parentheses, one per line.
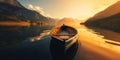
(13, 23)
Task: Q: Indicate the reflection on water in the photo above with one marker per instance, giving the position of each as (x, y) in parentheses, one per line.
(58, 51)
(15, 43)
(110, 36)
(42, 35)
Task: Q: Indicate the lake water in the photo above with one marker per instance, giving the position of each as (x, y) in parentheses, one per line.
(25, 43)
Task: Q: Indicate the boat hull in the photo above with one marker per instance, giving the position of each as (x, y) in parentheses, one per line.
(64, 49)
(58, 52)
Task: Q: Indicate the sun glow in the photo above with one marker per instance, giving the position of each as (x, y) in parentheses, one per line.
(80, 9)
(82, 13)
(77, 10)
(83, 9)
(88, 9)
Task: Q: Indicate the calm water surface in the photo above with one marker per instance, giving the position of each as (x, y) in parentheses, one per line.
(25, 43)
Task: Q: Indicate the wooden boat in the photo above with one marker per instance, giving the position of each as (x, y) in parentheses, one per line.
(64, 43)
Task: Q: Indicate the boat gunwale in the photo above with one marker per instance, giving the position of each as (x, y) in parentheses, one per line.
(67, 40)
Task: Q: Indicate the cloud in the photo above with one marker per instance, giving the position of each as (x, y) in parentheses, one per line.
(38, 9)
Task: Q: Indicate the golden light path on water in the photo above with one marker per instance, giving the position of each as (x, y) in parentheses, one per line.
(91, 45)
(96, 44)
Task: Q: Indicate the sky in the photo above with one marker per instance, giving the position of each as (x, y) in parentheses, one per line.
(80, 9)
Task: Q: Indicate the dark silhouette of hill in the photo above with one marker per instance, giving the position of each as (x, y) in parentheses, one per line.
(12, 2)
(12, 10)
(110, 19)
(111, 10)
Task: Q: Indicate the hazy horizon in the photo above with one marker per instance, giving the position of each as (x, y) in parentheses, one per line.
(80, 9)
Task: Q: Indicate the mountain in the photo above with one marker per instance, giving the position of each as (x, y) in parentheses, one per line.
(12, 10)
(111, 10)
(12, 2)
(111, 22)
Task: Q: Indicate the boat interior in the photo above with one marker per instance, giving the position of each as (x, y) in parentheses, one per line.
(64, 32)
